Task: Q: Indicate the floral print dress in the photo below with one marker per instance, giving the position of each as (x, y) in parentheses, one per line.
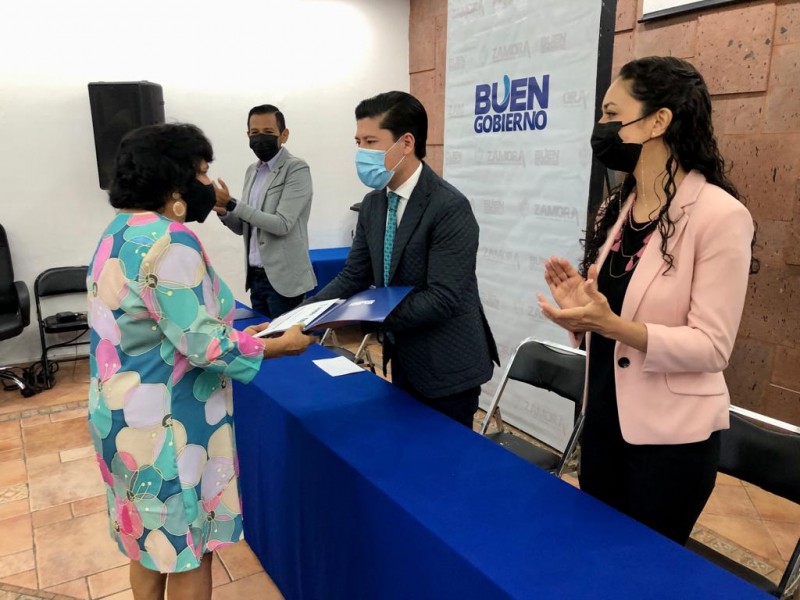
(163, 351)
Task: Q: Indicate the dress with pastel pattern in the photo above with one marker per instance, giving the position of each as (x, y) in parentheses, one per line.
(163, 351)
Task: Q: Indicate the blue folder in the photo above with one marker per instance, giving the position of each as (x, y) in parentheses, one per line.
(374, 305)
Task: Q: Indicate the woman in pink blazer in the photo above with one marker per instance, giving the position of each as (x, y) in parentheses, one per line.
(666, 271)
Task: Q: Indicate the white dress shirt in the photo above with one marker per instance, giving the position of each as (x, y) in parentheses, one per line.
(404, 190)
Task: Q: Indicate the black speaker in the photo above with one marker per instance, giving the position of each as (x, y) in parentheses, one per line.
(117, 108)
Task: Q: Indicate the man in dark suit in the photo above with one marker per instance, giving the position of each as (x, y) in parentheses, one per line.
(416, 229)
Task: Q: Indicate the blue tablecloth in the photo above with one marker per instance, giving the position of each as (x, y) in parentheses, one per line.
(327, 263)
(351, 489)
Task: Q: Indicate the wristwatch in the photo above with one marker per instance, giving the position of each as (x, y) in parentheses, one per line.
(230, 205)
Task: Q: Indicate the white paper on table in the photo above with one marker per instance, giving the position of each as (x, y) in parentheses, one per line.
(337, 366)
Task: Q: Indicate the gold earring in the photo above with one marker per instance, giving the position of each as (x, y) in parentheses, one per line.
(179, 209)
(176, 195)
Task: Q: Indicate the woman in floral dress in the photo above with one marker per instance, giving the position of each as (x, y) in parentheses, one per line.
(163, 351)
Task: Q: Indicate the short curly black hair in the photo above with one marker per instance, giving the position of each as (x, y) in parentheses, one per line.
(154, 161)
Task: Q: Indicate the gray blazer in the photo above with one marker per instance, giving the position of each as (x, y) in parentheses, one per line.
(281, 224)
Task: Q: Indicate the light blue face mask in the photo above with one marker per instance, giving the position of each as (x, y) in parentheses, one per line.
(371, 167)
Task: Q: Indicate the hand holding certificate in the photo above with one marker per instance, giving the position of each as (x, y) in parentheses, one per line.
(372, 305)
(302, 315)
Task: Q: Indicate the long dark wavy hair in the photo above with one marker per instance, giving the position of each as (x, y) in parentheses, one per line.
(667, 82)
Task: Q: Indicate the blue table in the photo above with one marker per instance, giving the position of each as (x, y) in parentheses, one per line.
(327, 263)
(351, 489)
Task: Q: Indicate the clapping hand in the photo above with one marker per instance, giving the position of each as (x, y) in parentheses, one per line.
(565, 283)
(581, 307)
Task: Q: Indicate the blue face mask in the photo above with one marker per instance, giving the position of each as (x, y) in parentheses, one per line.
(371, 167)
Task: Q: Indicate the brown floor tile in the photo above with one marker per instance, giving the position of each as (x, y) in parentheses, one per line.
(64, 393)
(255, 586)
(785, 536)
(109, 582)
(723, 479)
(774, 508)
(91, 550)
(9, 429)
(747, 533)
(76, 453)
(73, 413)
(73, 589)
(35, 421)
(10, 444)
(12, 407)
(65, 482)
(48, 516)
(219, 576)
(89, 506)
(26, 579)
(13, 492)
(52, 437)
(572, 480)
(239, 560)
(14, 509)
(730, 501)
(17, 563)
(16, 535)
(126, 595)
(9, 455)
(13, 473)
(736, 553)
(43, 462)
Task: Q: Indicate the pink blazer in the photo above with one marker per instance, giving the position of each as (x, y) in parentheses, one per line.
(675, 392)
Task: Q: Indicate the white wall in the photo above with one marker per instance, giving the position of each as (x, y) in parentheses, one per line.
(315, 59)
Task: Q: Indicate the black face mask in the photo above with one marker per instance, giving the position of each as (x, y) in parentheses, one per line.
(609, 148)
(200, 199)
(265, 146)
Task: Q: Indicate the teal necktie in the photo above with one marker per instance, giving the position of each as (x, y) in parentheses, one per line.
(388, 238)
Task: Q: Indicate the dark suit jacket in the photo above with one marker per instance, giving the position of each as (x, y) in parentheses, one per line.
(441, 336)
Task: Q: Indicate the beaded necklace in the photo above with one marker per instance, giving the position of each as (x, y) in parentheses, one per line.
(618, 247)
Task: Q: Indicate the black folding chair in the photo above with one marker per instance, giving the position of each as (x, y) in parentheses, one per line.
(764, 452)
(60, 281)
(552, 367)
(361, 357)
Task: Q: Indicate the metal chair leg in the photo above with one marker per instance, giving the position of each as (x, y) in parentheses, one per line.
(24, 389)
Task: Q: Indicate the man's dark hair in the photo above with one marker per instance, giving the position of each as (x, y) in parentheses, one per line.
(268, 109)
(154, 161)
(400, 113)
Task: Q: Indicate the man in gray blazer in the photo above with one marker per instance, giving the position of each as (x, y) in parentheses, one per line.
(416, 229)
(272, 216)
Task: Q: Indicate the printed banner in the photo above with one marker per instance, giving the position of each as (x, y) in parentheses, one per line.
(520, 101)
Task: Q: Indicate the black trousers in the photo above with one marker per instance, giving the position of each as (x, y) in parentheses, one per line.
(460, 407)
(263, 297)
(663, 486)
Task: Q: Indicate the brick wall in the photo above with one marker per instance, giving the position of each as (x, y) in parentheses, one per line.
(427, 59)
(749, 54)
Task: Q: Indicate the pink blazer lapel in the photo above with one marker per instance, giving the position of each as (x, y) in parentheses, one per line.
(652, 261)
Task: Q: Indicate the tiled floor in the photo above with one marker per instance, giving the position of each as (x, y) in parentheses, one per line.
(54, 529)
(53, 525)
